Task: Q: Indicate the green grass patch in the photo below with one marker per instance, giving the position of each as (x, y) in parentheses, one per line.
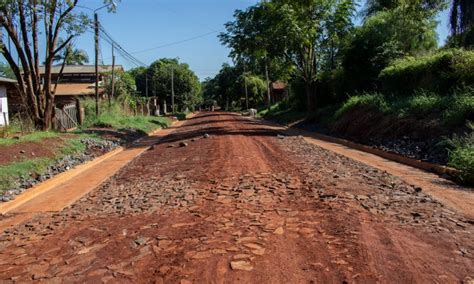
(282, 113)
(181, 115)
(376, 101)
(12, 172)
(454, 110)
(32, 137)
(115, 117)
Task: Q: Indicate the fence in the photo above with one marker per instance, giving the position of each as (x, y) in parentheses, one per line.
(66, 118)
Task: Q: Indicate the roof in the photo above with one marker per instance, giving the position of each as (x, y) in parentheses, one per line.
(7, 80)
(279, 85)
(74, 69)
(79, 89)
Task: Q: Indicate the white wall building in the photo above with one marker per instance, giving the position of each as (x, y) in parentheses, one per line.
(4, 82)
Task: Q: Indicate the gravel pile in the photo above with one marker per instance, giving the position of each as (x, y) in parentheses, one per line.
(94, 148)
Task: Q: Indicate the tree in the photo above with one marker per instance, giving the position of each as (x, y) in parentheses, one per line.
(186, 84)
(372, 7)
(227, 88)
(6, 71)
(72, 56)
(388, 35)
(24, 21)
(296, 31)
(462, 22)
(124, 83)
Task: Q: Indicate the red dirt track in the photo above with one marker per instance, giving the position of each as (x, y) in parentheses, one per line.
(243, 206)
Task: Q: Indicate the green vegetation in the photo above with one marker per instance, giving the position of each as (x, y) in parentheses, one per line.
(228, 89)
(32, 137)
(461, 154)
(187, 87)
(282, 113)
(438, 72)
(10, 173)
(455, 110)
(115, 117)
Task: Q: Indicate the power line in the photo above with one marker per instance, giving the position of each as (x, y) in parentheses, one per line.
(176, 42)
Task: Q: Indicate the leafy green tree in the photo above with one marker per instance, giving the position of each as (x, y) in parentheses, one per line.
(227, 88)
(187, 87)
(462, 22)
(23, 22)
(296, 31)
(372, 7)
(384, 37)
(124, 83)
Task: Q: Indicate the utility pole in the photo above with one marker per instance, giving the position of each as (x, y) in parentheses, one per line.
(172, 89)
(146, 84)
(112, 93)
(269, 102)
(96, 29)
(246, 90)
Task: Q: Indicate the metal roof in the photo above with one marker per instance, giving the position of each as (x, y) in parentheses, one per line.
(76, 89)
(73, 69)
(7, 80)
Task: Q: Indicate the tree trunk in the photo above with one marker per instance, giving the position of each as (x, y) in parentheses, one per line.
(310, 100)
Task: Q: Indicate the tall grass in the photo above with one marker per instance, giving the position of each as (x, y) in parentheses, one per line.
(115, 117)
(461, 154)
(454, 110)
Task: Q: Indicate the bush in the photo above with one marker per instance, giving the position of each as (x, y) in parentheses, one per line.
(439, 72)
(453, 110)
(460, 107)
(420, 105)
(374, 101)
(115, 117)
(461, 155)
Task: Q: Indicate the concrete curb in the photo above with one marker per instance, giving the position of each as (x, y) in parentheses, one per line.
(54, 181)
(434, 168)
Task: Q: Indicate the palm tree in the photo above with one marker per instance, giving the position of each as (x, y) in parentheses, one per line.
(462, 22)
(72, 56)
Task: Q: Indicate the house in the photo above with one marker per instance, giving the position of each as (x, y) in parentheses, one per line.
(278, 91)
(77, 81)
(6, 86)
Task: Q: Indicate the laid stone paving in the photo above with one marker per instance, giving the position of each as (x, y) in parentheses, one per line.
(316, 216)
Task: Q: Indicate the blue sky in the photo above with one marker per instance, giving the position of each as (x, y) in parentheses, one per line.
(144, 24)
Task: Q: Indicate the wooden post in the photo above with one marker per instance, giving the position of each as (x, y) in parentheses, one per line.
(79, 112)
(246, 88)
(112, 93)
(6, 125)
(173, 110)
(269, 100)
(96, 29)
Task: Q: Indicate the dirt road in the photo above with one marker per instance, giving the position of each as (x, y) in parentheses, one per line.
(246, 206)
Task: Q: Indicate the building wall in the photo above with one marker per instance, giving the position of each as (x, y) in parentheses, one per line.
(3, 106)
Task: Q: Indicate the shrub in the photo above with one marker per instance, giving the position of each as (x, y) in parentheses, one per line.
(420, 105)
(439, 72)
(459, 107)
(461, 155)
(115, 117)
(375, 101)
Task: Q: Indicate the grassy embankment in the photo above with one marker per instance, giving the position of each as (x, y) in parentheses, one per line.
(113, 118)
(432, 92)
